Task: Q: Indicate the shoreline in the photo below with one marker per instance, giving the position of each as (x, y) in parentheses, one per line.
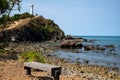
(86, 71)
(91, 72)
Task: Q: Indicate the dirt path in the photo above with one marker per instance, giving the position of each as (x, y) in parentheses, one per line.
(17, 24)
(13, 70)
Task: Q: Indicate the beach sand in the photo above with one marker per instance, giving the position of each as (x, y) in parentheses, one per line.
(14, 70)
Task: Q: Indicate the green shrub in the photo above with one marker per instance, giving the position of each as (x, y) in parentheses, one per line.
(32, 56)
(26, 15)
(15, 17)
(2, 51)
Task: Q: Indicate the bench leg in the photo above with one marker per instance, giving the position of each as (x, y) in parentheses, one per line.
(57, 75)
(28, 70)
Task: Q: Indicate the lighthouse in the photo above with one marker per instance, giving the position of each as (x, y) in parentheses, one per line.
(31, 9)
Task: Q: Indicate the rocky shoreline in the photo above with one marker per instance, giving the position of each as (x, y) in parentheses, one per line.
(90, 72)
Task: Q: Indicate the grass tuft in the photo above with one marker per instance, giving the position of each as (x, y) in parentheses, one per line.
(32, 56)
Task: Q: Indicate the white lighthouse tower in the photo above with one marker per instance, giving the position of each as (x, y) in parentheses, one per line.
(31, 9)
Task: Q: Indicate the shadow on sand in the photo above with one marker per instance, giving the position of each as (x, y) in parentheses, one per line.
(42, 77)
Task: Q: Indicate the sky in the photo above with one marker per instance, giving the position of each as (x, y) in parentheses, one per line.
(79, 17)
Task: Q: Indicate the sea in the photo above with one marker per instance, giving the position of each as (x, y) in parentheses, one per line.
(110, 57)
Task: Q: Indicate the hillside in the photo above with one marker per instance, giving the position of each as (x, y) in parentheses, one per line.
(32, 29)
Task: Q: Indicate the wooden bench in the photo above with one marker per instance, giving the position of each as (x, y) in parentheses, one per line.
(54, 71)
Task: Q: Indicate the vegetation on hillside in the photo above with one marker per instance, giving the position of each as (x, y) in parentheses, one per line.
(15, 17)
(47, 27)
(33, 29)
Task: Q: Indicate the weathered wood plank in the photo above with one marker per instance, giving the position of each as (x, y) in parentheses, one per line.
(54, 71)
(42, 66)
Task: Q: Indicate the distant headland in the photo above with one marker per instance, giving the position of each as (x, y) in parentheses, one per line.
(35, 28)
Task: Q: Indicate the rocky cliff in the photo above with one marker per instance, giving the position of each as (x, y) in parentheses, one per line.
(32, 29)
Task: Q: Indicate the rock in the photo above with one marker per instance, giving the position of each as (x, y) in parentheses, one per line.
(3, 45)
(34, 29)
(92, 40)
(70, 44)
(100, 48)
(92, 47)
(79, 45)
(112, 50)
(75, 39)
(109, 46)
(85, 40)
(86, 61)
(68, 37)
(89, 47)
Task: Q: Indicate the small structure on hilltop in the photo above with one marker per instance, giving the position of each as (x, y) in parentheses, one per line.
(31, 9)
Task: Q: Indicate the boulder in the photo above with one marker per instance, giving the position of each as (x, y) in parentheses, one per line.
(68, 37)
(93, 47)
(70, 44)
(109, 46)
(77, 39)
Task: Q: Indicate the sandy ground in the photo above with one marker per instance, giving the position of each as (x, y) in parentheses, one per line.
(14, 70)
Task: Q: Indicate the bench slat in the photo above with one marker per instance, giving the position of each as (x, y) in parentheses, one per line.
(42, 66)
(55, 71)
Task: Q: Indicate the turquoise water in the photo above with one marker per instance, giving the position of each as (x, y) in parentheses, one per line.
(104, 40)
(102, 58)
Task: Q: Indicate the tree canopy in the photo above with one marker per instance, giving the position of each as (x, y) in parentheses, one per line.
(6, 6)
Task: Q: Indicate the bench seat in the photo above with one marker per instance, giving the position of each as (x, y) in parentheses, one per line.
(54, 71)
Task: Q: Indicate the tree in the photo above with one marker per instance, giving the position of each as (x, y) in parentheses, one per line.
(6, 6)
(15, 17)
(3, 6)
(25, 15)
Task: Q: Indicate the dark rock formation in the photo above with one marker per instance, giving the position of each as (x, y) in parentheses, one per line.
(80, 39)
(109, 46)
(34, 29)
(68, 37)
(70, 44)
(93, 47)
